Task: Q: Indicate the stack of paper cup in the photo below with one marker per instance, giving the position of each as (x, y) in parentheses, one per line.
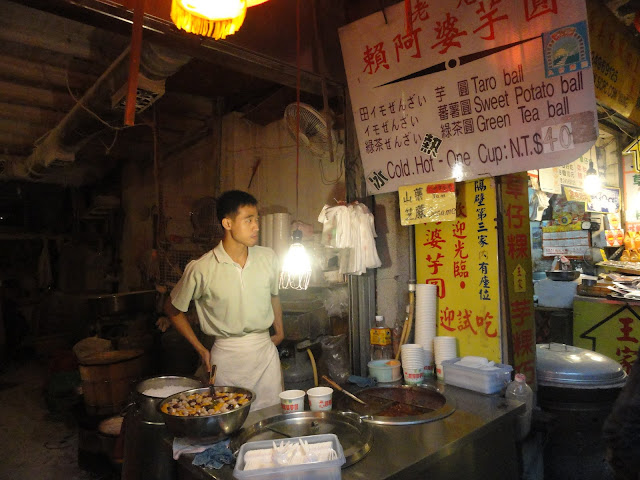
(412, 356)
(281, 234)
(426, 320)
(445, 348)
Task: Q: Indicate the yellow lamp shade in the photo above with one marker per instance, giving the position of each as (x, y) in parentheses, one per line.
(209, 18)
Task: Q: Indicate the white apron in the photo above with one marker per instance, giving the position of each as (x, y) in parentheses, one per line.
(252, 362)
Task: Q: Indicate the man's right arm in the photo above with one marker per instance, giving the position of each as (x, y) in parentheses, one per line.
(182, 325)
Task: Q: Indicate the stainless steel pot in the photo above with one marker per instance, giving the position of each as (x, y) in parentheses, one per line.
(209, 427)
(148, 405)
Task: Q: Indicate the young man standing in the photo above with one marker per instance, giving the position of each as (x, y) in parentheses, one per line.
(235, 291)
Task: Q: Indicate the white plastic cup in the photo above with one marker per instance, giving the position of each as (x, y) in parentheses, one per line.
(320, 398)
(413, 375)
(292, 401)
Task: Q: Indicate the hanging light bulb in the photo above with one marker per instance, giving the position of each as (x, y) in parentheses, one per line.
(296, 268)
(456, 172)
(211, 18)
(592, 182)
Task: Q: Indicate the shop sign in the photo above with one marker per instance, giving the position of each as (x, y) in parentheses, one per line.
(576, 195)
(631, 183)
(610, 329)
(616, 63)
(461, 258)
(607, 200)
(433, 202)
(517, 255)
(571, 241)
(469, 89)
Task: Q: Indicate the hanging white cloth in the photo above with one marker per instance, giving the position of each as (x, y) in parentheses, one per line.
(351, 228)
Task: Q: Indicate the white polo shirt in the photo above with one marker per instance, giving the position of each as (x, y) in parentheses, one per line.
(230, 300)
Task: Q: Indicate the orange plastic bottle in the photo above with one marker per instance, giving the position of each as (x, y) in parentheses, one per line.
(629, 242)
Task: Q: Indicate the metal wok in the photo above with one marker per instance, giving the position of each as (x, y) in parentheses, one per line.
(563, 275)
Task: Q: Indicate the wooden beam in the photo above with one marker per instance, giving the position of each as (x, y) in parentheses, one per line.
(13, 140)
(39, 29)
(36, 115)
(40, 74)
(24, 128)
(15, 93)
(94, 66)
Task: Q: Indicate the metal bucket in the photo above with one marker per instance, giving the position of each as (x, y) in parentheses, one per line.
(577, 389)
(148, 405)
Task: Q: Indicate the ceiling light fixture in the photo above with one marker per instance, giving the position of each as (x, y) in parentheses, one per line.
(296, 267)
(211, 18)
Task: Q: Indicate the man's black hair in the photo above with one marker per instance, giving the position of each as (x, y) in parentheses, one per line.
(229, 202)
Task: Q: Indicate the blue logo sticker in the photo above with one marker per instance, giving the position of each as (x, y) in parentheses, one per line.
(566, 49)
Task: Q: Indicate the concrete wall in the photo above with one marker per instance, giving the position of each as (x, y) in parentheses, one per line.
(190, 175)
(392, 294)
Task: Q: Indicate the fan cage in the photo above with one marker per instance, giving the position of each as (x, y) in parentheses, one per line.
(312, 127)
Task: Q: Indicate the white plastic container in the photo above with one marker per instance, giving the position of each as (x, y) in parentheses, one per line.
(519, 390)
(477, 379)
(385, 370)
(328, 470)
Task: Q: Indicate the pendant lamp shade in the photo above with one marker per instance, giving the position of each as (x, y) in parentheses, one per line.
(211, 18)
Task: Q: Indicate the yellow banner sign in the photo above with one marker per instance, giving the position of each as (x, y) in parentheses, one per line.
(461, 258)
(427, 202)
(517, 255)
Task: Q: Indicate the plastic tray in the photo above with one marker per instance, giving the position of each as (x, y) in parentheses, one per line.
(328, 470)
(483, 381)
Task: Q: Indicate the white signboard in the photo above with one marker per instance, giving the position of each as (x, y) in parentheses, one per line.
(476, 88)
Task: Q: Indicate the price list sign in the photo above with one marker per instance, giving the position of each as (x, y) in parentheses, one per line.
(469, 89)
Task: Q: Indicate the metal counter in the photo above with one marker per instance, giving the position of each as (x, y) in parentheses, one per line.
(475, 442)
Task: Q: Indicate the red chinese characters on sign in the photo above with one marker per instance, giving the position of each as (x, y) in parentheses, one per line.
(486, 11)
(459, 255)
(435, 239)
(527, 367)
(627, 351)
(517, 245)
(463, 319)
(374, 58)
(515, 216)
(408, 42)
(486, 322)
(521, 311)
(536, 8)
(447, 33)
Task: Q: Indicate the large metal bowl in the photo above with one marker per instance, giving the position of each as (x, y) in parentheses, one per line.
(210, 427)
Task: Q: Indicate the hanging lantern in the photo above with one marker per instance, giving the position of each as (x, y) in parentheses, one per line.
(210, 18)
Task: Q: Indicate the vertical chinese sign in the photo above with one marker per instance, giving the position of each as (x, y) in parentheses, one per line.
(519, 287)
(469, 89)
(461, 258)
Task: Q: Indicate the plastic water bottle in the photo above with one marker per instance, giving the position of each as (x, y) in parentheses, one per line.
(380, 340)
(519, 390)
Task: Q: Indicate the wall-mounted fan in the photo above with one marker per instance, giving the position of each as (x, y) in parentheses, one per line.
(314, 133)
